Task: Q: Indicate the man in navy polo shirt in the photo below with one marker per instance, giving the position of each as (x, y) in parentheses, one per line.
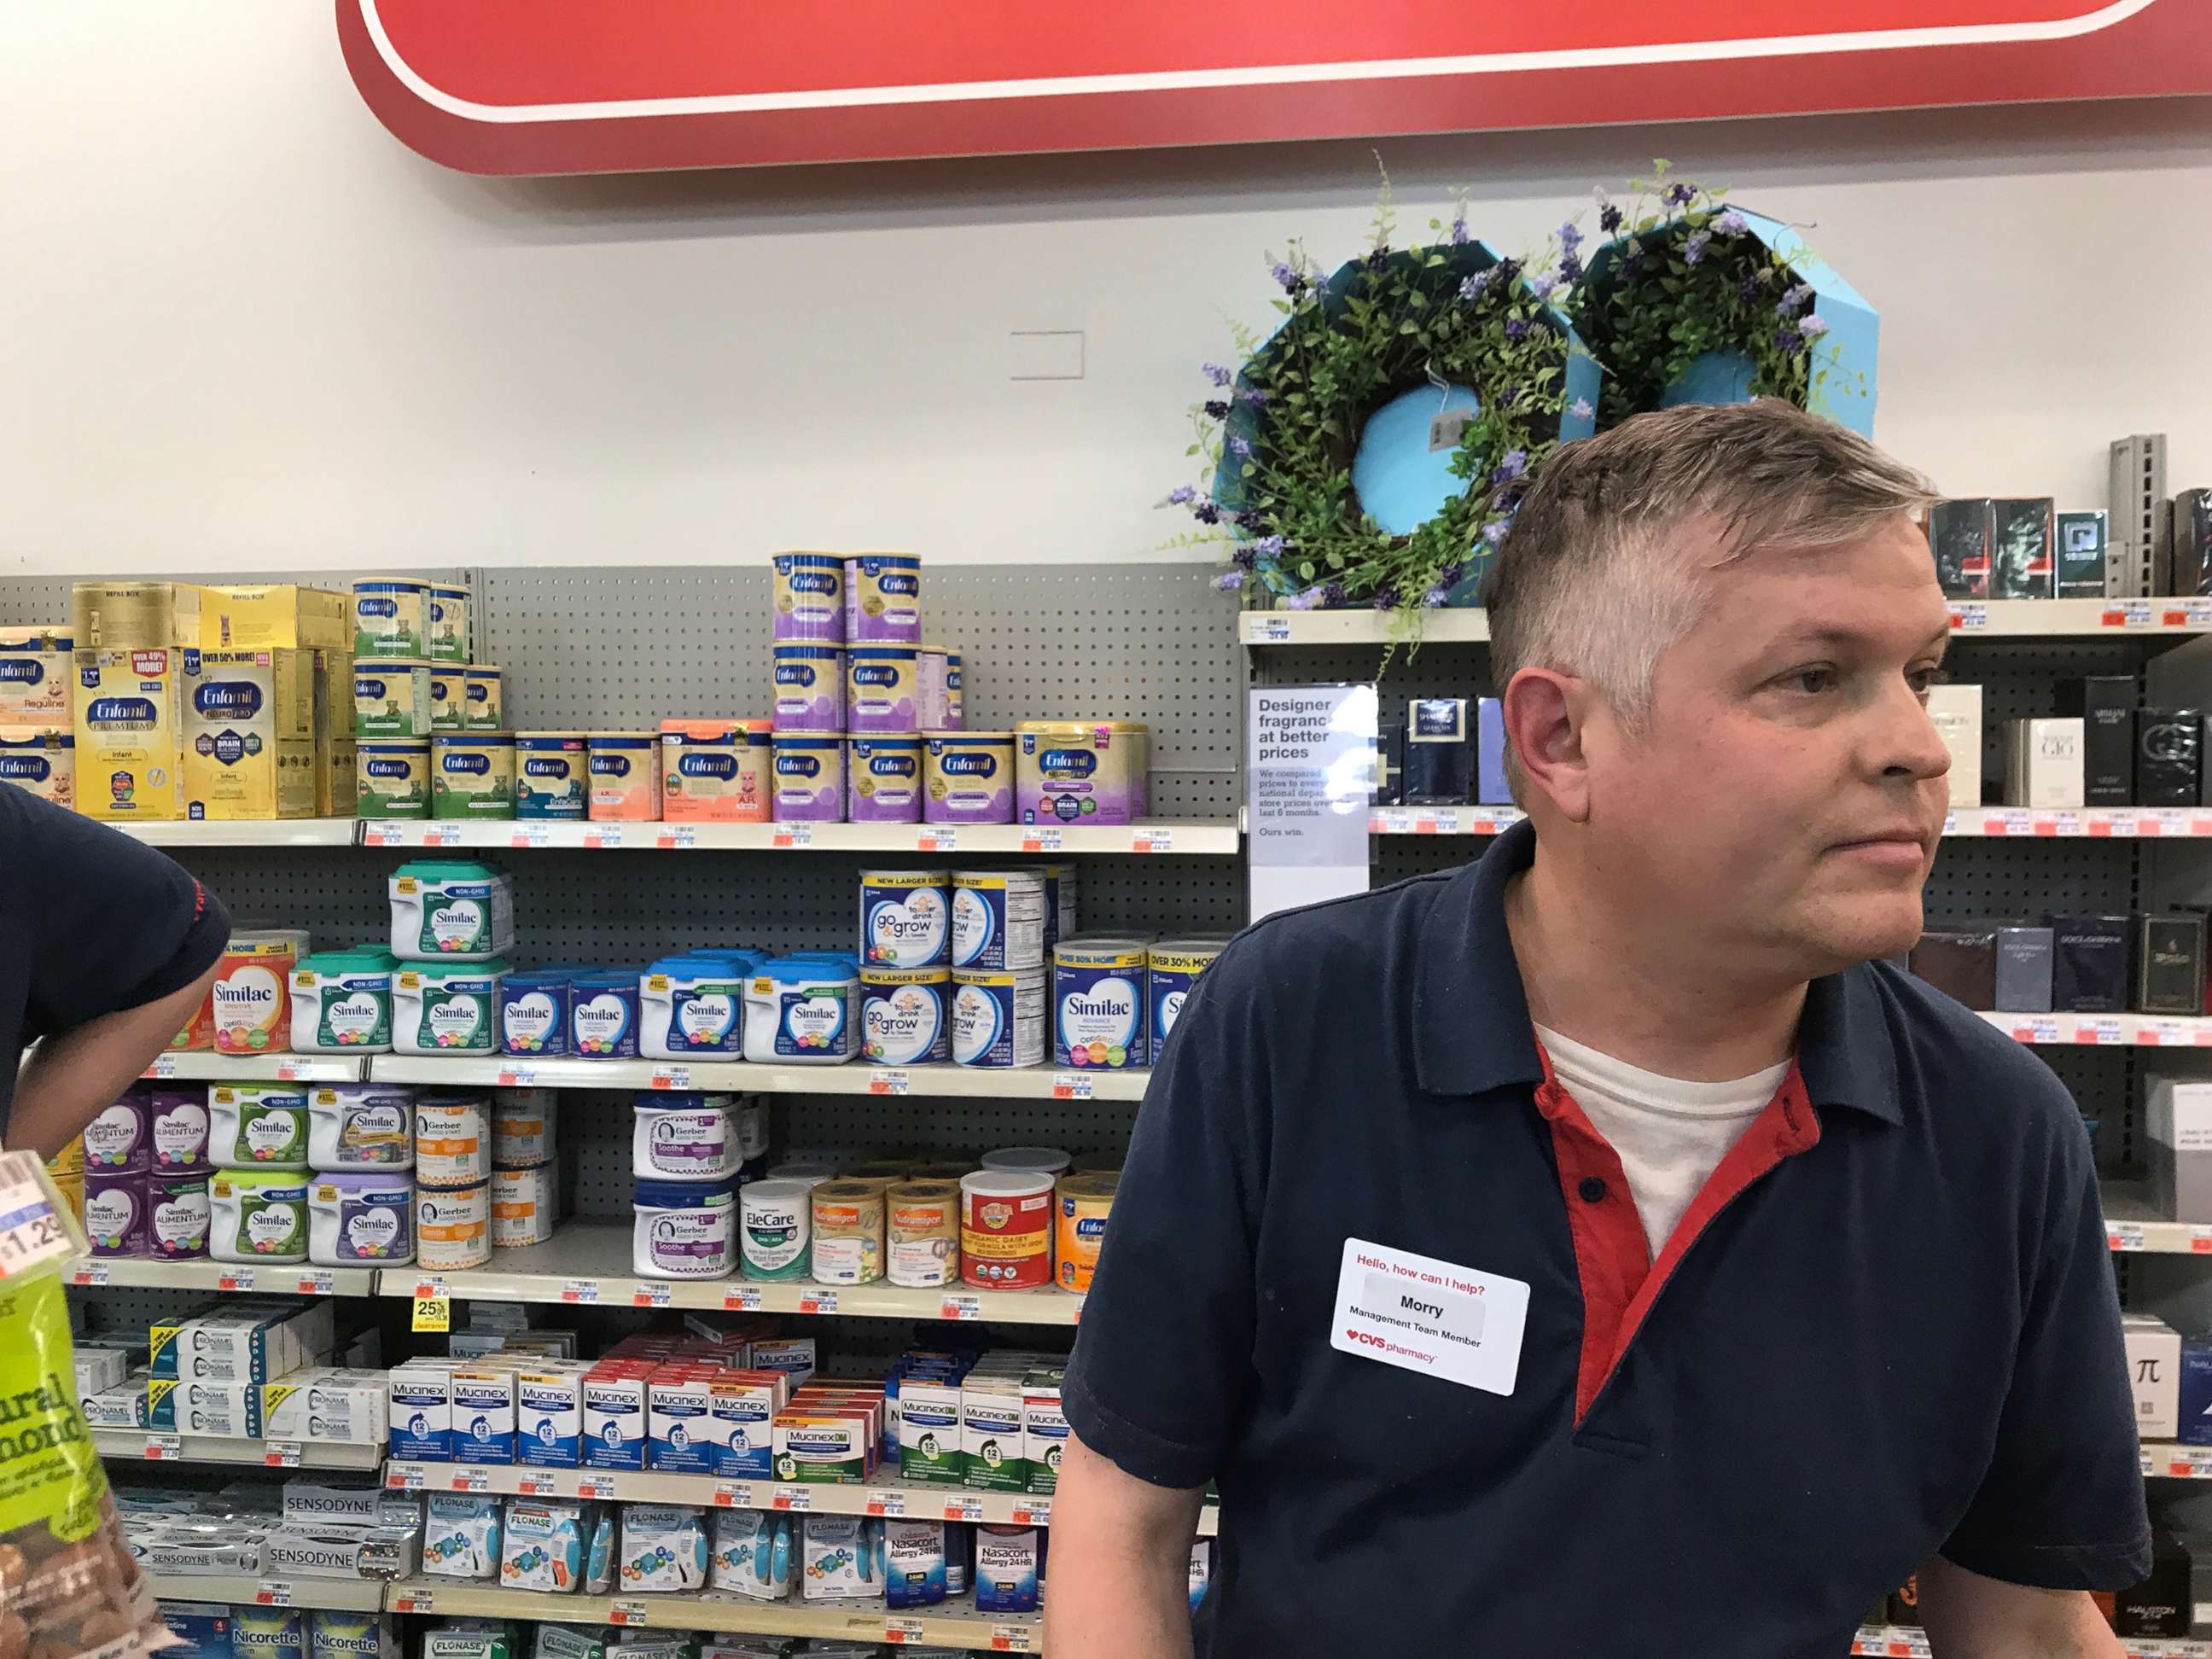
(1598, 1250)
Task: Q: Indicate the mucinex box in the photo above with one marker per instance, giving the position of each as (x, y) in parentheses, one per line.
(420, 1403)
(549, 1414)
(615, 1415)
(484, 1415)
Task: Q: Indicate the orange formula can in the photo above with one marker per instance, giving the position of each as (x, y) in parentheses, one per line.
(715, 771)
(1006, 1230)
(1085, 1201)
(248, 1009)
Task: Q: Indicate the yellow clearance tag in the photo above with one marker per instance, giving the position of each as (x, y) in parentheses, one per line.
(434, 1313)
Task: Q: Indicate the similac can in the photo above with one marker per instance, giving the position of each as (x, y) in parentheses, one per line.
(997, 1019)
(453, 1140)
(883, 780)
(883, 599)
(549, 775)
(472, 775)
(810, 596)
(393, 780)
(1099, 1016)
(715, 771)
(1085, 1201)
(997, 920)
(810, 779)
(906, 1015)
(968, 777)
(882, 683)
(906, 918)
(1006, 1230)
(775, 1229)
(1172, 968)
(625, 775)
(452, 1226)
(809, 687)
(484, 698)
(42, 761)
(848, 1232)
(923, 1224)
(390, 697)
(250, 1004)
(448, 640)
(392, 617)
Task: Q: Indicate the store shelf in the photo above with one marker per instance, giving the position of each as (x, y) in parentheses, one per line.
(2106, 1030)
(260, 832)
(1442, 820)
(896, 1498)
(1888, 1642)
(1182, 835)
(2005, 823)
(969, 1082)
(123, 1272)
(588, 1264)
(2132, 1225)
(2169, 1460)
(144, 1445)
(258, 1068)
(954, 1625)
(330, 1595)
(1326, 628)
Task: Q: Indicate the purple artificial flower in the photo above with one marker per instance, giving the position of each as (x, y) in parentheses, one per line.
(1794, 300)
(1788, 341)
(1288, 275)
(1206, 513)
(1215, 372)
(1609, 218)
(1269, 546)
(1694, 247)
(1254, 397)
(1379, 258)
(1228, 581)
(1333, 595)
(1304, 601)
(1731, 223)
(1570, 268)
(1813, 327)
(1244, 558)
(1513, 463)
(1543, 286)
(1241, 448)
(1459, 229)
(1451, 575)
(1749, 289)
(1386, 596)
(1435, 599)
(1679, 195)
(1472, 288)
(1570, 236)
(1494, 531)
(1217, 409)
(1181, 496)
(1509, 271)
(1581, 410)
(1248, 519)
(1516, 328)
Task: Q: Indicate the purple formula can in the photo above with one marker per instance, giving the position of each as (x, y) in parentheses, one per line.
(968, 777)
(177, 1217)
(115, 1141)
(177, 1132)
(882, 689)
(882, 780)
(810, 688)
(115, 1213)
(810, 596)
(810, 779)
(883, 599)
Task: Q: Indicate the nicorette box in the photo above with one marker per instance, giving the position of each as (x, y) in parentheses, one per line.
(249, 735)
(129, 710)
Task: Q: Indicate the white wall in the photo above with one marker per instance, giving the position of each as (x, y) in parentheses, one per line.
(241, 326)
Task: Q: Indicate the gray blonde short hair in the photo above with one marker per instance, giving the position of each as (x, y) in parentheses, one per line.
(1605, 565)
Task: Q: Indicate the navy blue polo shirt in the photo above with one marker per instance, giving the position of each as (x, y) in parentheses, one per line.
(1887, 1328)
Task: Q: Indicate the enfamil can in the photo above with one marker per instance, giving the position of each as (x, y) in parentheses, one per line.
(715, 771)
(249, 735)
(1084, 1202)
(42, 761)
(625, 776)
(810, 596)
(550, 774)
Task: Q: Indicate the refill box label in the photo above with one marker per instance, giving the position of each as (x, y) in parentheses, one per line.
(484, 1415)
(744, 1406)
(420, 1401)
(548, 1416)
(615, 1419)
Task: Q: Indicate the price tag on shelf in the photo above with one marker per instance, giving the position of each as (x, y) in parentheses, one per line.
(2008, 822)
(536, 1486)
(442, 834)
(603, 835)
(2125, 1236)
(517, 1077)
(677, 838)
(531, 836)
(434, 1287)
(292, 1071)
(1151, 838)
(164, 1065)
(271, 1593)
(818, 1302)
(583, 1290)
(2166, 1034)
(406, 1477)
(887, 1083)
(414, 1600)
(649, 1293)
(1269, 630)
(1043, 838)
(2043, 1028)
(2188, 1463)
(671, 1076)
(791, 1498)
(792, 835)
(433, 1313)
(626, 1613)
(1032, 1511)
(733, 1495)
(379, 835)
(887, 1501)
(963, 1509)
(234, 1279)
(280, 1454)
(937, 838)
(1071, 1086)
(961, 1307)
(596, 1488)
(1969, 618)
(741, 1299)
(2097, 1030)
(317, 1281)
(2135, 613)
(1011, 1638)
(89, 1275)
(470, 1480)
(164, 1448)
(2200, 1241)
(902, 1632)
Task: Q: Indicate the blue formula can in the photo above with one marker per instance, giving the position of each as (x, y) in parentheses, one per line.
(551, 776)
(906, 918)
(533, 1014)
(603, 1015)
(1172, 968)
(997, 920)
(1099, 1012)
(906, 1015)
(997, 1019)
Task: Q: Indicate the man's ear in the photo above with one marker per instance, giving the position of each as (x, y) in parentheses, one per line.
(1543, 717)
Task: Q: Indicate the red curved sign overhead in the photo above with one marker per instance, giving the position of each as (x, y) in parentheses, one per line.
(591, 86)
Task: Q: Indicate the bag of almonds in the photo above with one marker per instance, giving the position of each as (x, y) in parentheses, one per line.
(68, 1584)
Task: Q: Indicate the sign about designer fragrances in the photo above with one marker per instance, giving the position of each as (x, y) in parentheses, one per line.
(1309, 782)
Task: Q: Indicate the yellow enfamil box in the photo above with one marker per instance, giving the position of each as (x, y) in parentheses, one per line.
(269, 616)
(130, 714)
(336, 779)
(249, 734)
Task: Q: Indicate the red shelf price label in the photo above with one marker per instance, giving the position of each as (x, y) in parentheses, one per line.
(902, 1632)
(91, 1273)
(1032, 1512)
(792, 836)
(164, 1448)
(280, 1454)
(583, 1290)
(888, 1082)
(963, 1509)
(1046, 838)
(599, 1488)
(471, 1480)
(626, 1613)
(961, 1307)
(1972, 618)
(649, 1294)
(939, 839)
(791, 1498)
(536, 1486)
(535, 835)
(671, 1076)
(818, 1302)
(414, 1602)
(517, 1077)
(1070, 1086)
(608, 837)
(733, 1495)
(679, 838)
(271, 1594)
(891, 1504)
(1154, 839)
(405, 1478)
(2125, 1236)
(319, 1281)
(164, 1065)
(1010, 1638)
(235, 1279)
(741, 1299)
(431, 1287)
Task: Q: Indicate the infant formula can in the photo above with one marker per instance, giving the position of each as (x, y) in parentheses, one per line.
(810, 779)
(524, 1208)
(674, 1136)
(683, 1229)
(968, 777)
(931, 705)
(390, 697)
(472, 775)
(342, 1002)
(258, 1215)
(906, 1015)
(1006, 1230)
(177, 1132)
(603, 1015)
(453, 1140)
(693, 1006)
(1172, 968)
(460, 911)
(484, 698)
(802, 1012)
(1059, 903)
(361, 1126)
(448, 639)
(777, 1230)
(809, 687)
(956, 699)
(997, 1019)
(533, 1012)
(178, 1217)
(1085, 1201)
(883, 780)
(361, 1216)
(1079, 771)
(1029, 1160)
(34, 677)
(998, 919)
(906, 918)
(447, 1007)
(448, 701)
(453, 1227)
(881, 684)
(256, 1126)
(625, 776)
(43, 761)
(115, 1213)
(525, 1127)
(250, 1003)
(117, 1140)
(883, 599)
(848, 1232)
(128, 712)
(809, 597)
(393, 780)
(924, 1228)
(392, 617)
(715, 771)
(1099, 1013)
(551, 779)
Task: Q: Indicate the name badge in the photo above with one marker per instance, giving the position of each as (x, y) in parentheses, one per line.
(1435, 1317)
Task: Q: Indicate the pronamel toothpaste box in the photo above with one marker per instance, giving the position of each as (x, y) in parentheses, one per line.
(549, 1414)
(226, 1411)
(929, 1442)
(615, 1426)
(341, 1408)
(484, 1415)
(117, 1409)
(421, 1400)
(743, 1405)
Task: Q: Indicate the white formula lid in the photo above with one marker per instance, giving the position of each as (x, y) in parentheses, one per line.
(1029, 1160)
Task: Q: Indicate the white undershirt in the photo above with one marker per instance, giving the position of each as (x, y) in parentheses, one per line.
(1670, 1134)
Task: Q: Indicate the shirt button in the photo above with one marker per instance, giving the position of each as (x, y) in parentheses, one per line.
(1592, 1189)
